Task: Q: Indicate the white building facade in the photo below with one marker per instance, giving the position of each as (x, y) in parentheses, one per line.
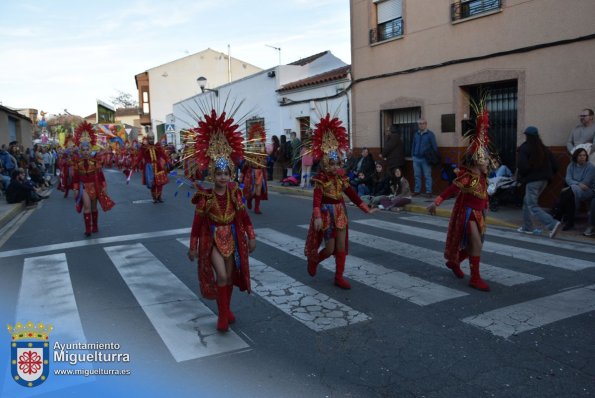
(286, 98)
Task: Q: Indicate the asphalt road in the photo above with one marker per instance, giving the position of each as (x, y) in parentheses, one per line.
(407, 328)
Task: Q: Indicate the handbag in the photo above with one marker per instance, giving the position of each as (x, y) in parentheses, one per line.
(432, 157)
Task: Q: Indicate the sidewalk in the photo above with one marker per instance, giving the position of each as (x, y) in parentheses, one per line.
(506, 216)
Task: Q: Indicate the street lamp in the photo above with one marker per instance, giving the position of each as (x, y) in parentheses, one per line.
(202, 83)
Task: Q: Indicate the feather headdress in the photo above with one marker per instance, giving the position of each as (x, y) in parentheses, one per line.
(329, 139)
(479, 149)
(216, 143)
(85, 135)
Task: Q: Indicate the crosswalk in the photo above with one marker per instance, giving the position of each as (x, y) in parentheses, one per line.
(186, 325)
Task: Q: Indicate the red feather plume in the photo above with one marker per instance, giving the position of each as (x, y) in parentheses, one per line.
(329, 135)
(208, 145)
(85, 132)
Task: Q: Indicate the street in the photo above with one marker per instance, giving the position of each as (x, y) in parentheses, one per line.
(407, 328)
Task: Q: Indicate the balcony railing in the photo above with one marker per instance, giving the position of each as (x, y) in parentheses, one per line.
(466, 9)
(387, 30)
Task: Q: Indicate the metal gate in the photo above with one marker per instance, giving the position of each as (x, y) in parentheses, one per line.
(406, 120)
(501, 101)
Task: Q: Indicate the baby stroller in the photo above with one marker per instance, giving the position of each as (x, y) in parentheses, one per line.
(503, 191)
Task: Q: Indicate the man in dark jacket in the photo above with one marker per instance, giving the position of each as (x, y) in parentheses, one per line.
(393, 151)
(536, 166)
(20, 189)
(424, 140)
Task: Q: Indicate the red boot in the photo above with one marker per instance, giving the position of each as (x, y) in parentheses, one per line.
(476, 282)
(94, 215)
(257, 205)
(231, 318)
(222, 308)
(87, 218)
(313, 264)
(249, 203)
(340, 263)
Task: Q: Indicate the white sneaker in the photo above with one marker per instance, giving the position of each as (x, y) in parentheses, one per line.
(589, 231)
(555, 230)
(381, 207)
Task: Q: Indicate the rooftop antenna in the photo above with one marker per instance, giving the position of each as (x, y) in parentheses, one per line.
(276, 48)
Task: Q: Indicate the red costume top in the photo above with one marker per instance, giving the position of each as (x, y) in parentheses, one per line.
(88, 175)
(221, 221)
(252, 176)
(65, 164)
(154, 156)
(470, 205)
(329, 205)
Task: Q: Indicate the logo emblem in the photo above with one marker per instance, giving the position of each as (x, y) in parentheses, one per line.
(30, 353)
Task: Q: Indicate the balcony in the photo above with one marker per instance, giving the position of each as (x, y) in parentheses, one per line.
(472, 8)
(386, 31)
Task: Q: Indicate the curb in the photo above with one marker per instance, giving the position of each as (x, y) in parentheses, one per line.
(7, 216)
(413, 208)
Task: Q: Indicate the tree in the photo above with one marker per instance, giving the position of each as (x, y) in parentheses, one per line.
(124, 100)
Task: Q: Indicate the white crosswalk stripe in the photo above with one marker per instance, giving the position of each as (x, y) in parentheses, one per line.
(572, 264)
(184, 323)
(434, 258)
(308, 306)
(46, 295)
(518, 318)
(398, 284)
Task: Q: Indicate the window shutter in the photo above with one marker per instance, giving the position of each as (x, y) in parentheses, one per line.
(389, 10)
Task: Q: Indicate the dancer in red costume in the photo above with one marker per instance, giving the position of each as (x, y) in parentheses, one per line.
(222, 235)
(329, 216)
(467, 225)
(153, 159)
(254, 169)
(88, 181)
(65, 165)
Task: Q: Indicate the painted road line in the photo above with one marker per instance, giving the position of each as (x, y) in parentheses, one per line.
(395, 283)
(46, 295)
(499, 275)
(184, 323)
(519, 253)
(519, 318)
(313, 309)
(514, 235)
(94, 241)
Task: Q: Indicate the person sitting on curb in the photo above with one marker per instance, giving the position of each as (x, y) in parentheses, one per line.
(20, 189)
(400, 192)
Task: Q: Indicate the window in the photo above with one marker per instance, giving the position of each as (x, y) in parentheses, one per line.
(304, 126)
(389, 20)
(146, 108)
(470, 8)
(406, 119)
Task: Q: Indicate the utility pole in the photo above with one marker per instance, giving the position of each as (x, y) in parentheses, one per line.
(276, 48)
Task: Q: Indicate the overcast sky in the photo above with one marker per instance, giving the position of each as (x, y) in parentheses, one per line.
(65, 54)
